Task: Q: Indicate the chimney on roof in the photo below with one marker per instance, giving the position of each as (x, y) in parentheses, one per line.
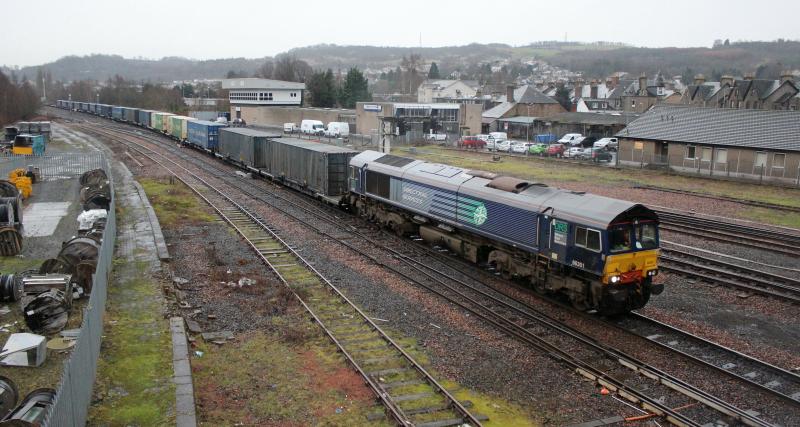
(699, 79)
(727, 79)
(643, 84)
(749, 76)
(593, 93)
(787, 76)
(478, 93)
(510, 93)
(610, 83)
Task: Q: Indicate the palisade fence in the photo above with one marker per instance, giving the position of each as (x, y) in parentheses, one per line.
(74, 392)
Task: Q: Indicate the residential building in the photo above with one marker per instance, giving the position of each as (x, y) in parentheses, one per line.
(748, 92)
(525, 101)
(746, 143)
(443, 90)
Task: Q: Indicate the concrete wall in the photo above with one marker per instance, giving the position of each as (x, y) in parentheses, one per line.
(277, 116)
(734, 162)
(367, 122)
(471, 118)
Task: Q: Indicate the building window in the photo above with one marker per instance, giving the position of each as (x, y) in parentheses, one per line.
(690, 152)
(761, 160)
(706, 154)
(586, 238)
(722, 155)
(779, 160)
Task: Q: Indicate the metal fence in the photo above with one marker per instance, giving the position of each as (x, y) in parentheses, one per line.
(54, 166)
(74, 391)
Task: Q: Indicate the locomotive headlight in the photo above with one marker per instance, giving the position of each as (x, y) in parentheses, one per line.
(652, 273)
(614, 279)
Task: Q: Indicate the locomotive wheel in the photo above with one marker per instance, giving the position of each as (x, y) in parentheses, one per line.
(539, 286)
(10, 242)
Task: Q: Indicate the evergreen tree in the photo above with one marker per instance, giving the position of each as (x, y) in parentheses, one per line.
(322, 88)
(433, 73)
(354, 89)
(562, 96)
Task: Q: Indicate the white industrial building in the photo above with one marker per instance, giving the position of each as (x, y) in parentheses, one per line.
(254, 91)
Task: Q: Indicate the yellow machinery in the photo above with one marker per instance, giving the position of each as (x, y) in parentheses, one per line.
(20, 180)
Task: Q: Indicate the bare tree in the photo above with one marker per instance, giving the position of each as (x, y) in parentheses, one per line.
(266, 70)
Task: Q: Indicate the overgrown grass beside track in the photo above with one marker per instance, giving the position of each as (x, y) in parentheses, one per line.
(555, 172)
(173, 202)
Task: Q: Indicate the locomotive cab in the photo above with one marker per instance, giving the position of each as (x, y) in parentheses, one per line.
(631, 257)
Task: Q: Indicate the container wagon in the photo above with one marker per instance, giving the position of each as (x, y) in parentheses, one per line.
(178, 127)
(314, 168)
(204, 134)
(159, 121)
(129, 114)
(144, 118)
(244, 146)
(117, 113)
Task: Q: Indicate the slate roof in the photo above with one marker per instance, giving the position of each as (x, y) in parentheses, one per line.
(532, 96)
(498, 110)
(593, 118)
(764, 129)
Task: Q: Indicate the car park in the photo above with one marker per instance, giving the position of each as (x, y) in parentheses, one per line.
(556, 150)
(607, 143)
(472, 142)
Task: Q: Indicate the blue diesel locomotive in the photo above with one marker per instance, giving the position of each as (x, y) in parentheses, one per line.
(599, 252)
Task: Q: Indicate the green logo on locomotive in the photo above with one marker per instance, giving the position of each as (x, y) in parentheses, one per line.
(472, 211)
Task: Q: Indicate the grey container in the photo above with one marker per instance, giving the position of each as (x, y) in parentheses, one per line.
(312, 167)
(244, 145)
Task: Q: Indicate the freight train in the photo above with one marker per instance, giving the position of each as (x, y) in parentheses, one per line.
(598, 252)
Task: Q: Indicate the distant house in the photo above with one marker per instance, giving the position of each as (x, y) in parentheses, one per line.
(444, 90)
(525, 101)
(759, 144)
(749, 92)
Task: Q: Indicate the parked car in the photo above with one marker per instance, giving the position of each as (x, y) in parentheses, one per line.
(607, 143)
(438, 137)
(312, 127)
(599, 155)
(502, 145)
(538, 149)
(588, 141)
(337, 130)
(520, 147)
(555, 150)
(483, 137)
(569, 138)
(472, 142)
(572, 152)
(289, 127)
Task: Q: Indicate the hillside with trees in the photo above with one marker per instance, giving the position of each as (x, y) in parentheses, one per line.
(18, 99)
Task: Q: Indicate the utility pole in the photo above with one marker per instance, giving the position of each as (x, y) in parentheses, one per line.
(44, 89)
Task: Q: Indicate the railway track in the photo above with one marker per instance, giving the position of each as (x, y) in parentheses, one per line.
(522, 323)
(785, 242)
(730, 275)
(411, 395)
(723, 198)
(771, 378)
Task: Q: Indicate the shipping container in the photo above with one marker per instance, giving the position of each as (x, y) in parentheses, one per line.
(159, 120)
(204, 134)
(144, 118)
(315, 168)
(117, 113)
(129, 114)
(244, 145)
(178, 127)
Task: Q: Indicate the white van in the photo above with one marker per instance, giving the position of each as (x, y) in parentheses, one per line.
(337, 130)
(499, 136)
(312, 127)
(607, 143)
(571, 139)
(289, 127)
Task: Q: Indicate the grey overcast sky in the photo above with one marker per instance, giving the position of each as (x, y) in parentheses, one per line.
(40, 31)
